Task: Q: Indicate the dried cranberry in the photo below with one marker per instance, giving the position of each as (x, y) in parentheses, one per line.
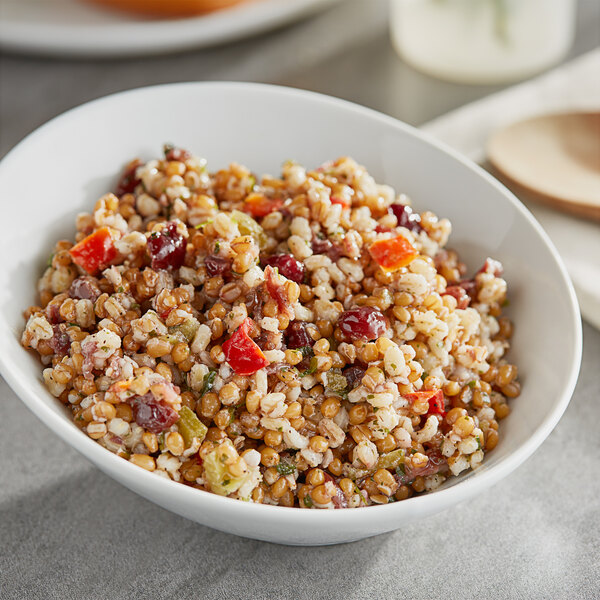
(326, 247)
(53, 313)
(217, 265)
(353, 375)
(60, 342)
(152, 414)
(288, 266)
(84, 288)
(297, 336)
(381, 228)
(364, 322)
(493, 267)
(406, 217)
(179, 154)
(462, 298)
(128, 181)
(167, 248)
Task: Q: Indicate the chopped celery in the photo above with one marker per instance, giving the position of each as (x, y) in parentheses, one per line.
(336, 382)
(248, 226)
(188, 329)
(391, 460)
(221, 481)
(190, 426)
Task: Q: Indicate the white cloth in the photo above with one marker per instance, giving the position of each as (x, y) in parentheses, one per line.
(574, 86)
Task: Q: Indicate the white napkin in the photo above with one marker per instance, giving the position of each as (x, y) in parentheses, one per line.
(574, 86)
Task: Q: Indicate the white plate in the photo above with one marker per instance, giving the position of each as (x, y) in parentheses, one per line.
(82, 29)
(261, 126)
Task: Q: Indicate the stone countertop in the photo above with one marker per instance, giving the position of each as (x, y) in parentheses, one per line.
(69, 532)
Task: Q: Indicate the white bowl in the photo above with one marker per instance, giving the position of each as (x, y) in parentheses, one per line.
(64, 166)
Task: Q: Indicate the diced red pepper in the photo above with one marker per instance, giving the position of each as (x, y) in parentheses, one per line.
(242, 352)
(260, 206)
(392, 254)
(94, 252)
(338, 200)
(434, 397)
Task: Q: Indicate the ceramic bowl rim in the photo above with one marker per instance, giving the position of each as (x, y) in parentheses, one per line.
(432, 502)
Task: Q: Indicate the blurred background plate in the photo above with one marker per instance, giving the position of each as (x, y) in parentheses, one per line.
(76, 28)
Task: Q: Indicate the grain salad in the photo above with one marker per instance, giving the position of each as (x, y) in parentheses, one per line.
(304, 340)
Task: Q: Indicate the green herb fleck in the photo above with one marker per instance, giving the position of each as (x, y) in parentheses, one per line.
(217, 247)
(424, 376)
(49, 263)
(153, 334)
(72, 324)
(285, 468)
(478, 443)
(104, 348)
(306, 351)
(308, 501)
(472, 384)
(203, 223)
(209, 380)
(359, 492)
(312, 367)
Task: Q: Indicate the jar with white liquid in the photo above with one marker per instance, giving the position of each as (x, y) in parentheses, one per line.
(482, 41)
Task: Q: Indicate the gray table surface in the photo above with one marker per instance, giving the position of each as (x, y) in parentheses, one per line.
(68, 531)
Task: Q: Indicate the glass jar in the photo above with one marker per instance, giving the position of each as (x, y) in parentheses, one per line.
(482, 41)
